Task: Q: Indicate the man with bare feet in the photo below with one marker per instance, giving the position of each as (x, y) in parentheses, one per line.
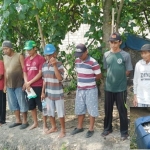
(33, 78)
(52, 92)
(13, 64)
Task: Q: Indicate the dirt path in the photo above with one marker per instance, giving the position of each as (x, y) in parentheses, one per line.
(16, 139)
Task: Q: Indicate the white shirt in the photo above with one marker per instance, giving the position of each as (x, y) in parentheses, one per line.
(141, 82)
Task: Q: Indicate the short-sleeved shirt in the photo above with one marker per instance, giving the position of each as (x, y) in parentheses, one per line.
(86, 72)
(116, 64)
(53, 87)
(32, 67)
(1, 73)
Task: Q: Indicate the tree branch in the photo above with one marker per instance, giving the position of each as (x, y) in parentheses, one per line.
(119, 14)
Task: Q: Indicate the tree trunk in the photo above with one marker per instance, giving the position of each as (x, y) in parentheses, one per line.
(41, 33)
(107, 22)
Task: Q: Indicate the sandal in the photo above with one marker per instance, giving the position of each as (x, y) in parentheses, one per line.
(89, 134)
(105, 133)
(23, 126)
(76, 130)
(14, 125)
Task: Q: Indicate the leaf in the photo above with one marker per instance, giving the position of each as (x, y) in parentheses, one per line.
(23, 1)
(21, 16)
(6, 14)
(38, 4)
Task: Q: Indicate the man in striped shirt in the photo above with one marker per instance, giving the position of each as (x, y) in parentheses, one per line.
(88, 71)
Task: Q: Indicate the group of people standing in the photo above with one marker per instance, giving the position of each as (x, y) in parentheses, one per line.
(45, 77)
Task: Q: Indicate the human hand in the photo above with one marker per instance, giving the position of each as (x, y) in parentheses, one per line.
(53, 61)
(27, 85)
(42, 96)
(135, 102)
(4, 89)
(24, 87)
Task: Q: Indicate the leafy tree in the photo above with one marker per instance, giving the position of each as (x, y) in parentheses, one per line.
(48, 21)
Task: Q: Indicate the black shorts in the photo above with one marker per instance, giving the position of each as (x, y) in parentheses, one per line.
(33, 102)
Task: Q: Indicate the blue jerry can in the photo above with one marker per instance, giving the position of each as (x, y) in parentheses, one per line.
(142, 136)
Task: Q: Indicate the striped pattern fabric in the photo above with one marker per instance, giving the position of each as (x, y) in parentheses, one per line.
(53, 89)
(86, 72)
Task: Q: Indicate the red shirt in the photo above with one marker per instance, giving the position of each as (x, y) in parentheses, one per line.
(1, 73)
(32, 67)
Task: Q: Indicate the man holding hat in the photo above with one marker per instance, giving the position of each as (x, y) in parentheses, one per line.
(88, 71)
(118, 65)
(14, 63)
(141, 80)
(33, 78)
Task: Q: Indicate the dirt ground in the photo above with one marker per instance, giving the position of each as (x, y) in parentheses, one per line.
(16, 139)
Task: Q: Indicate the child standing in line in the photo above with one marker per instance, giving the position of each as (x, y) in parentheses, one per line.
(2, 95)
(141, 81)
(52, 91)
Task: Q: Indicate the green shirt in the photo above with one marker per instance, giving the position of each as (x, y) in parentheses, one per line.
(116, 64)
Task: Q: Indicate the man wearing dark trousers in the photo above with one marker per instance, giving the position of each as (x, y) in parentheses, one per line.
(118, 65)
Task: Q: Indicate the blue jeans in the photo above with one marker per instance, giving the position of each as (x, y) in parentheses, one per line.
(16, 99)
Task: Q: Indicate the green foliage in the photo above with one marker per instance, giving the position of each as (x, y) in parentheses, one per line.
(68, 60)
(18, 23)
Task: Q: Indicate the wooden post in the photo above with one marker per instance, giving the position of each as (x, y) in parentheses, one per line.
(112, 24)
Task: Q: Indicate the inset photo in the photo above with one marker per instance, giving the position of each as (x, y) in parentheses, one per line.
(139, 127)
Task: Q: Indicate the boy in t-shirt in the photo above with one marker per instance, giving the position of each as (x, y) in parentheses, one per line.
(2, 95)
(118, 66)
(52, 91)
(141, 81)
(88, 71)
(33, 78)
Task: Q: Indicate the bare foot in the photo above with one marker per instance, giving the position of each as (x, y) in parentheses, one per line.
(51, 130)
(45, 129)
(33, 126)
(61, 135)
(0, 124)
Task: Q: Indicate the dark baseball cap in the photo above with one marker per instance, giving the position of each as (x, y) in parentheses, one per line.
(115, 37)
(80, 49)
(145, 47)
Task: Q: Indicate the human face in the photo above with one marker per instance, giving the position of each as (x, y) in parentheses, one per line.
(48, 57)
(32, 52)
(115, 45)
(7, 51)
(84, 56)
(146, 56)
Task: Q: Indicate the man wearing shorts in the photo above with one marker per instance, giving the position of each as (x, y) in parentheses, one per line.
(52, 92)
(88, 71)
(33, 78)
(13, 63)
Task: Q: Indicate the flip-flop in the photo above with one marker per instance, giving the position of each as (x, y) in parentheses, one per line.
(14, 125)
